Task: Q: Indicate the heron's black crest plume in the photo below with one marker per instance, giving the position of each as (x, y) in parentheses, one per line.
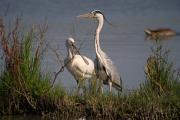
(98, 11)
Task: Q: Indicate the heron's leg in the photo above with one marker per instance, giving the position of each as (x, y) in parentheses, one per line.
(110, 86)
(89, 86)
(101, 86)
(78, 87)
(102, 89)
(89, 83)
(84, 85)
(95, 83)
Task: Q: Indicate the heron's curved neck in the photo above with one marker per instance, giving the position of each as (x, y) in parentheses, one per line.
(98, 30)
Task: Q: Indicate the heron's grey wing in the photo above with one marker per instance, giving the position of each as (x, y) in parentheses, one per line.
(112, 71)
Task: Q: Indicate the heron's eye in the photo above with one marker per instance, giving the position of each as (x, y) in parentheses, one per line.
(94, 13)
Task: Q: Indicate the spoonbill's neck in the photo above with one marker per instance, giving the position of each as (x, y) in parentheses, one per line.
(69, 51)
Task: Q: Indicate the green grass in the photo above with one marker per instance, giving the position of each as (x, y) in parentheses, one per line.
(22, 84)
(25, 89)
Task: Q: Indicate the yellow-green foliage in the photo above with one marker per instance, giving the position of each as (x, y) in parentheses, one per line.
(158, 70)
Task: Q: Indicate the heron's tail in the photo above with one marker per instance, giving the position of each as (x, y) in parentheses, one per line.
(117, 86)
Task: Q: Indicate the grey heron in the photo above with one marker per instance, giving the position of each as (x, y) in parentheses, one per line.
(79, 66)
(105, 69)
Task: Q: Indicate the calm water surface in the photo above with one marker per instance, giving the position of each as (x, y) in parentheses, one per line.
(124, 43)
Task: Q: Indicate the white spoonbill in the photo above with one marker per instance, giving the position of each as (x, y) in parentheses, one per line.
(79, 66)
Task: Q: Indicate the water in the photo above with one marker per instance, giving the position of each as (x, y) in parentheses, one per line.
(22, 117)
(124, 43)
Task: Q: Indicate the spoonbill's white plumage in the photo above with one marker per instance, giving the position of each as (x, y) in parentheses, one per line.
(81, 67)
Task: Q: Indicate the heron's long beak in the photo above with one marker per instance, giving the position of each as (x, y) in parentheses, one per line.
(81, 55)
(87, 15)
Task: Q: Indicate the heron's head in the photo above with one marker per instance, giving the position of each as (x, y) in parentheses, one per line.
(97, 14)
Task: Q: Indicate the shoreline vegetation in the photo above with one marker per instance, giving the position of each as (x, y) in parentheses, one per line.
(24, 89)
